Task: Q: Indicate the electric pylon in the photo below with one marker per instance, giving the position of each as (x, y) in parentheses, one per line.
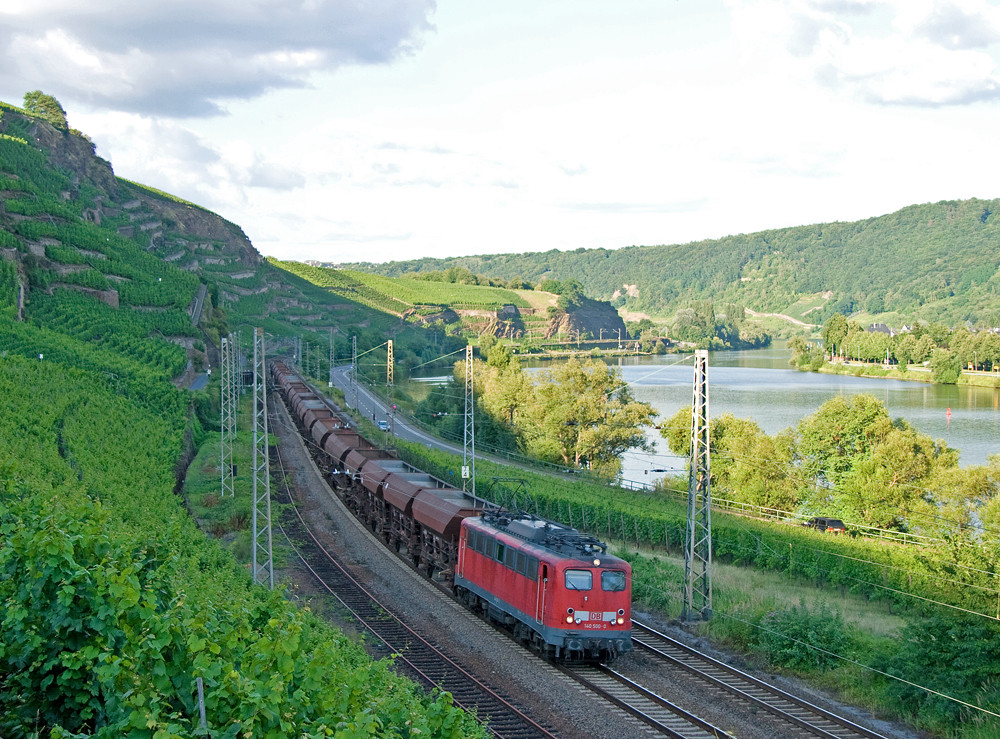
(227, 412)
(329, 382)
(390, 388)
(263, 561)
(698, 544)
(354, 368)
(469, 437)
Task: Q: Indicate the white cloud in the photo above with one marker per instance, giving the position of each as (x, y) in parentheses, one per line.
(520, 125)
(894, 52)
(189, 57)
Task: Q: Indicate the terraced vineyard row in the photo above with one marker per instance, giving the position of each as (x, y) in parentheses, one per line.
(400, 295)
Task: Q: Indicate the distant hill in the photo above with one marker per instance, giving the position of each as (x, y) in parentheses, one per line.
(935, 261)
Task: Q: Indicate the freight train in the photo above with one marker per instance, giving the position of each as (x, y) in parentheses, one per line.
(555, 588)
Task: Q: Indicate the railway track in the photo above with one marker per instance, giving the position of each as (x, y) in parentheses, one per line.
(662, 716)
(427, 665)
(806, 718)
(418, 658)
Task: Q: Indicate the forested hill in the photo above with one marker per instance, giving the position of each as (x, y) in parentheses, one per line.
(933, 261)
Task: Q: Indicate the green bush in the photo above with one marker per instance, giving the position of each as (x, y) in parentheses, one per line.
(803, 639)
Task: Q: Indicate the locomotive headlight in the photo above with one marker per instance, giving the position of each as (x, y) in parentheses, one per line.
(621, 611)
(597, 563)
(569, 619)
(620, 620)
(569, 610)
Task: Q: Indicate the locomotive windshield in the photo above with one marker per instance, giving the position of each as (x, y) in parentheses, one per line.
(613, 580)
(579, 579)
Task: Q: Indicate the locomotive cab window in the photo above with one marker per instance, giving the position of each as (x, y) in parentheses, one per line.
(579, 579)
(613, 580)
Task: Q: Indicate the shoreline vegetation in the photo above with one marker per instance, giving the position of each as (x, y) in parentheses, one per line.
(974, 378)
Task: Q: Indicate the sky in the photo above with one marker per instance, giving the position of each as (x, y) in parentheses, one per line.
(377, 130)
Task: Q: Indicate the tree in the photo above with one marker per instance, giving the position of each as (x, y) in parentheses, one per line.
(834, 333)
(504, 389)
(586, 414)
(940, 334)
(841, 429)
(945, 367)
(747, 465)
(37, 103)
(884, 484)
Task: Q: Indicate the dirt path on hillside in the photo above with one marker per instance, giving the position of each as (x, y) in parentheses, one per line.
(796, 321)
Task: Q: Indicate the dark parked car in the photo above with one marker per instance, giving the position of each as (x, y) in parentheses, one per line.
(829, 525)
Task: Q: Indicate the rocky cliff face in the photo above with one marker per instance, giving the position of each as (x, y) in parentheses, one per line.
(594, 317)
(194, 229)
(72, 153)
(181, 228)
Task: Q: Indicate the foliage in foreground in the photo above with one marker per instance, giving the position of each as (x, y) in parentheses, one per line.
(114, 603)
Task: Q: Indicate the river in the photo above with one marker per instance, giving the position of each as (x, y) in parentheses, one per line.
(759, 384)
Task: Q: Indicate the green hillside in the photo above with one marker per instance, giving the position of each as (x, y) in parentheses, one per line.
(537, 318)
(112, 601)
(401, 295)
(933, 261)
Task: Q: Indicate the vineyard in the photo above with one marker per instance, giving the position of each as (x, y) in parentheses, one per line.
(135, 334)
(397, 296)
(114, 603)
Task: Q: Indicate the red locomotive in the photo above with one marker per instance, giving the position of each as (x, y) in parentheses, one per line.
(556, 589)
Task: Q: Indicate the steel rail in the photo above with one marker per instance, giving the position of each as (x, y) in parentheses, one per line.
(791, 708)
(431, 666)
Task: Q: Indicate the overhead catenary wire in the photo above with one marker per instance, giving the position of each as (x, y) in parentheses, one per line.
(883, 566)
(565, 484)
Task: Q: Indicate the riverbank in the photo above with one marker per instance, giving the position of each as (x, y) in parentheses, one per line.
(913, 374)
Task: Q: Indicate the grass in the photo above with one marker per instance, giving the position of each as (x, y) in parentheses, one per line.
(804, 308)
(537, 299)
(740, 588)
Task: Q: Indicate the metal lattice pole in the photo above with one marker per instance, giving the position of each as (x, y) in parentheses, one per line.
(469, 437)
(240, 362)
(698, 545)
(390, 385)
(226, 411)
(329, 382)
(235, 378)
(263, 562)
(354, 368)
